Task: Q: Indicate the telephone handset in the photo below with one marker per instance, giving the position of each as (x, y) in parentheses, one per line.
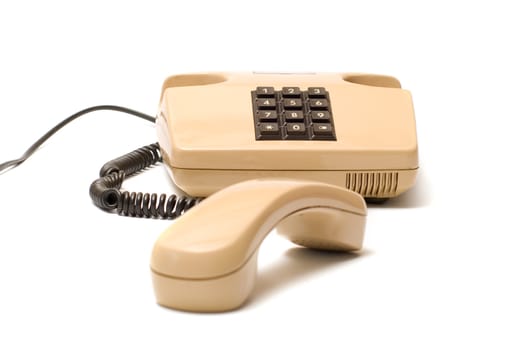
(206, 260)
(298, 152)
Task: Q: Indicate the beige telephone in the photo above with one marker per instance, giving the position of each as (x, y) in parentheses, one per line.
(292, 151)
(298, 152)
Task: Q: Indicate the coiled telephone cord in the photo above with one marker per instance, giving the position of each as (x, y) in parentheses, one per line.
(106, 191)
(107, 195)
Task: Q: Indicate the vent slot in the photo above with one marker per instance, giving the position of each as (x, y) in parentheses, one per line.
(372, 184)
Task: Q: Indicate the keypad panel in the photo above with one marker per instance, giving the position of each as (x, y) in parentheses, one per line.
(290, 113)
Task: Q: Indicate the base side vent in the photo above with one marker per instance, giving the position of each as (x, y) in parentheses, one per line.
(372, 183)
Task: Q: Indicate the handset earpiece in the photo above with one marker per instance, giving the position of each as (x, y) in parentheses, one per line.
(207, 260)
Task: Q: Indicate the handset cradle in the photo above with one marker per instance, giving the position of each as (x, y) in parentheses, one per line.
(346, 129)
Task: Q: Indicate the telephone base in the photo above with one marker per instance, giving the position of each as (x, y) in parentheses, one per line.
(356, 131)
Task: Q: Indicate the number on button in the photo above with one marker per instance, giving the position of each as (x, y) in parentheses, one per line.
(321, 116)
(293, 115)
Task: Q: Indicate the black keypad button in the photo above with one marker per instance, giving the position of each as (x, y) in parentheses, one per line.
(267, 116)
(296, 128)
(265, 91)
(320, 116)
(292, 103)
(316, 92)
(289, 91)
(294, 116)
(269, 129)
(266, 103)
(318, 104)
(321, 129)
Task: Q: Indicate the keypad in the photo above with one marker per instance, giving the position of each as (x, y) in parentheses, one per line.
(290, 113)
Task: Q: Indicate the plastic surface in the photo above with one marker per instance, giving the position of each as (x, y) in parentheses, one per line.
(206, 131)
(206, 261)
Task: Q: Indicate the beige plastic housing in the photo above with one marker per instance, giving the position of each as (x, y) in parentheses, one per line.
(206, 260)
(206, 133)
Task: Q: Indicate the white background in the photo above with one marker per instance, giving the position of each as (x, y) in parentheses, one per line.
(443, 266)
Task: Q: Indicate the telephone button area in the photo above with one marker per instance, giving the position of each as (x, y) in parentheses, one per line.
(289, 91)
(294, 116)
(296, 129)
(267, 116)
(266, 103)
(320, 116)
(292, 103)
(269, 129)
(318, 104)
(322, 129)
(316, 92)
(292, 113)
(265, 91)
